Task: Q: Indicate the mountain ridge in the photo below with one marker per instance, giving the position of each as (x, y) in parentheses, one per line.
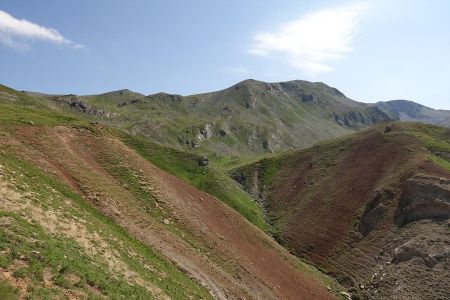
(248, 118)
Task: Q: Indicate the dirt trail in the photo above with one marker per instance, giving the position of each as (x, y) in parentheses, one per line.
(208, 240)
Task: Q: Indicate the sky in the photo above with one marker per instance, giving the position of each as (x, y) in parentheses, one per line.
(370, 50)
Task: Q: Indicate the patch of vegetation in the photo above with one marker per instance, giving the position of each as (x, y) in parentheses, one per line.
(436, 140)
(39, 250)
(228, 163)
(440, 161)
(8, 292)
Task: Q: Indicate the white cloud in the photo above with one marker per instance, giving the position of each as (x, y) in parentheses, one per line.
(311, 42)
(15, 33)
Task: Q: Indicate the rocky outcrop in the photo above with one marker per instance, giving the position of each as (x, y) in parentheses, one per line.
(165, 97)
(202, 134)
(413, 264)
(75, 103)
(307, 98)
(207, 131)
(8, 96)
(357, 119)
(423, 197)
(203, 161)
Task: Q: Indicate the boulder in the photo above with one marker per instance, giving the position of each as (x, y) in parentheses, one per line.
(203, 161)
(346, 295)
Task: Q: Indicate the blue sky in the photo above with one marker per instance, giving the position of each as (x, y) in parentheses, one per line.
(370, 50)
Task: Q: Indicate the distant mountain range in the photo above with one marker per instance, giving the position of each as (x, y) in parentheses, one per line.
(405, 110)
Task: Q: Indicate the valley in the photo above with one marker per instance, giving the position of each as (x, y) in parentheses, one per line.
(283, 190)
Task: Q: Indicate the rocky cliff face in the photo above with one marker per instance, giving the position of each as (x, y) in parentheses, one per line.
(361, 119)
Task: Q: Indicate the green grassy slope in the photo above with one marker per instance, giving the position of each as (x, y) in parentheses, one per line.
(20, 108)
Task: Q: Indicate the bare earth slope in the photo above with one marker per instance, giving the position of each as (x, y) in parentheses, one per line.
(371, 209)
(212, 247)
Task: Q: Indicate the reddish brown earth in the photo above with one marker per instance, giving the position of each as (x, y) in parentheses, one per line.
(205, 238)
(337, 205)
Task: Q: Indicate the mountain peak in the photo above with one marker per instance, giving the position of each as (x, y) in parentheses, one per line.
(288, 86)
(122, 92)
(403, 102)
(407, 110)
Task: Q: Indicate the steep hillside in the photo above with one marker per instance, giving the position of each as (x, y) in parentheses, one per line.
(410, 111)
(370, 209)
(83, 215)
(251, 117)
(186, 166)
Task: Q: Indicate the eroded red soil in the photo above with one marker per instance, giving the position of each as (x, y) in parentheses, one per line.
(208, 240)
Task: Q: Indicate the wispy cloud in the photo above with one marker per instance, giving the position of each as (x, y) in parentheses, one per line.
(313, 41)
(16, 33)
